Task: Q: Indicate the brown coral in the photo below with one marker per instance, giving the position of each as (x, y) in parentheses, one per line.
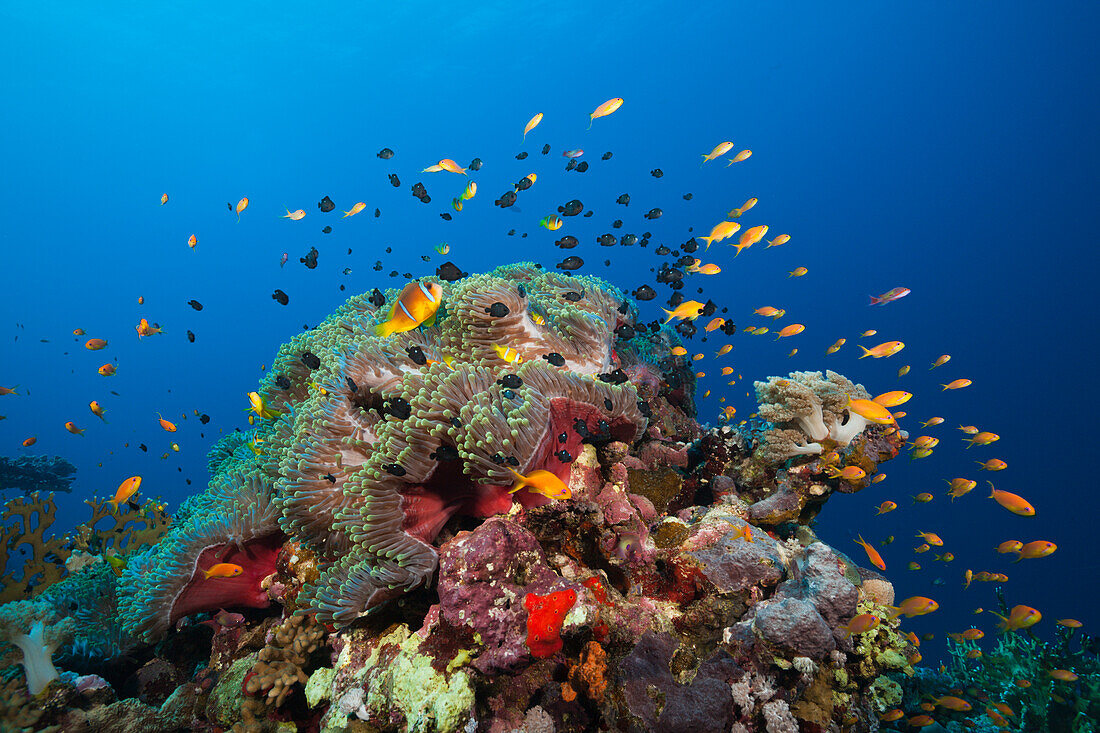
(279, 664)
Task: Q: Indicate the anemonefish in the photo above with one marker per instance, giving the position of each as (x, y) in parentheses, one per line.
(415, 306)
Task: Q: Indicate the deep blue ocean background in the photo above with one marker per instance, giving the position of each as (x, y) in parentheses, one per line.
(946, 147)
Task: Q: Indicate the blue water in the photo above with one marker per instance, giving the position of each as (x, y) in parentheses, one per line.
(951, 150)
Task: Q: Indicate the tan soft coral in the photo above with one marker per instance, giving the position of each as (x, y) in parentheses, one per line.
(279, 665)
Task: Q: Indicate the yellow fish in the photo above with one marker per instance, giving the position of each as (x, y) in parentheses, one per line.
(241, 206)
(719, 149)
(415, 306)
(552, 222)
(126, 489)
(743, 155)
(451, 167)
(751, 236)
(791, 330)
(541, 482)
(688, 310)
(163, 199)
(508, 354)
(295, 215)
(97, 410)
(605, 109)
(470, 191)
(835, 347)
(723, 230)
(744, 207)
(797, 272)
(781, 239)
(354, 210)
(532, 124)
(887, 348)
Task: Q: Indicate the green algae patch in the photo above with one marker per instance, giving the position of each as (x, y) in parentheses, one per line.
(428, 699)
(225, 699)
(319, 686)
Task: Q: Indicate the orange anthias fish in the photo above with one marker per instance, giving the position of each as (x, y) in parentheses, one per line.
(768, 312)
(1069, 623)
(8, 390)
(604, 110)
(541, 482)
(724, 350)
(163, 199)
(915, 606)
(95, 344)
(1009, 546)
(144, 329)
(791, 330)
(932, 421)
(192, 241)
(960, 487)
(97, 410)
(957, 384)
(168, 426)
(108, 370)
(295, 215)
(1015, 504)
(743, 155)
(953, 703)
(126, 489)
(415, 306)
(835, 347)
(241, 206)
(861, 624)
(715, 324)
(931, 538)
(751, 236)
(72, 428)
(223, 570)
(982, 438)
(872, 411)
(30, 441)
(893, 399)
(887, 348)
(1036, 549)
(744, 207)
(780, 240)
(451, 167)
(1020, 617)
(708, 269)
(993, 464)
(359, 206)
(849, 473)
(872, 554)
(797, 272)
(688, 310)
(886, 506)
(889, 296)
(719, 149)
(1063, 675)
(532, 124)
(940, 361)
(722, 230)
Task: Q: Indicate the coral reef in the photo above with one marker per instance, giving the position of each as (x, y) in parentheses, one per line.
(30, 474)
(391, 580)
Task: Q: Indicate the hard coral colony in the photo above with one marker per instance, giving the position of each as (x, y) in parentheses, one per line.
(379, 481)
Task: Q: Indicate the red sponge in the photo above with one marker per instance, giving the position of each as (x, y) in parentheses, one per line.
(545, 617)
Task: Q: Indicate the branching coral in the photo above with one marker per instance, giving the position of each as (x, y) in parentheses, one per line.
(280, 664)
(26, 521)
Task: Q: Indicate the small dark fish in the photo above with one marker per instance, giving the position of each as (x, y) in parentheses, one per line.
(398, 407)
(195, 304)
(729, 328)
(555, 359)
(588, 213)
(330, 477)
(616, 377)
(282, 382)
(326, 205)
(625, 332)
(445, 216)
(653, 214)
(628, 240)
(497, 310)
(662, 251)
(506, 199)
(191, 336)
(573, 296)
(571, 165)
(606, 156)
(310, 260)
(377, 213)
(310, 359)
(582, 167)
(395, 181)
(385, 153)
(280, 296)
(617, 224)
(624, 199)
(570, 263)
(524, 183)
(416, 354)
(445, 453)
(511, 232)
(450, 272)
(326, 230)
(571, 208)
(656, 173)
(376, 298)
(521, 156)
(511, 381)
(567, 242)
(475, 164)
(144, 448)
(607, 240)
(351, 384)
(347, 270)
(690, 246)
(709, 308)
(675, 299)
(644, 293)
(546, 149)
(688, 196)
(228, 205)
(204, 418)
(564, 456)
(420, 192)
